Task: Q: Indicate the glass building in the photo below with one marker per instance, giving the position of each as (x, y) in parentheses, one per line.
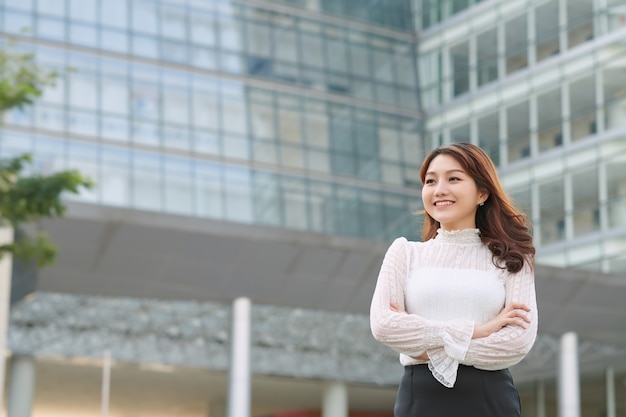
(302, 124)
(225, 110)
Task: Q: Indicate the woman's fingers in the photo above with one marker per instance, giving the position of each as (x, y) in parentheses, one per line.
(517, 306)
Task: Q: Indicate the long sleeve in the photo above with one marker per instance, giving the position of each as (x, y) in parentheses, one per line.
(509, 345)
(411, 334)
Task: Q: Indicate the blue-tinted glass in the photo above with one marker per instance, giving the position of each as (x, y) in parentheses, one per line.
(115, 128)
(50, 117)
(83, 35)
(17, 23)
(267, 204)
(238, 194)
(230, 33)
(146, 133)
(83, 123)
(114, 97)
(176, 138)
(295, 204)
(26, 5)
(83, 91)
(203, 29)
(50, 28)
(173, 23)
(174, 52)
(144, 17)
(147, 181)
(145, 46)
(114, 13)
(209, 190)
(177, 186)
(84, 10)
(51, 7)
(114, 41)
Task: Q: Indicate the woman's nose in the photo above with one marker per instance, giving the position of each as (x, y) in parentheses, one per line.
(440, 189)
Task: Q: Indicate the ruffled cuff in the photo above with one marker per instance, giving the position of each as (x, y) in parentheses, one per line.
(443, 367)
(444, 361)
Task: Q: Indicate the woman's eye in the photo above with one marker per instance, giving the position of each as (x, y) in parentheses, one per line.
(429, 181)
(454, 179)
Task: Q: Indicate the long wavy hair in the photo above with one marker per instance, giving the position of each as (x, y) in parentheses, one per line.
(506, 231)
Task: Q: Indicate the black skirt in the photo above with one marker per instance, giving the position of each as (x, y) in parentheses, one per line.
(476, 393)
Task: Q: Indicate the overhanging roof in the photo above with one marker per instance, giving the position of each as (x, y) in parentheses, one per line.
(126, 253)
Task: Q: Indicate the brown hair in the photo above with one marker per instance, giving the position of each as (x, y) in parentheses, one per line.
(506, 231)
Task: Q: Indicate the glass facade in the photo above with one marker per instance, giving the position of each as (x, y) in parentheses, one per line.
(225, 110)
(546, 102)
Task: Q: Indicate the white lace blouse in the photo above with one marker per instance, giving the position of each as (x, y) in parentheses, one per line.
(446, 285)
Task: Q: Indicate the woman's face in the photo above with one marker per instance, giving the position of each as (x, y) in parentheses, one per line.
(450, 195)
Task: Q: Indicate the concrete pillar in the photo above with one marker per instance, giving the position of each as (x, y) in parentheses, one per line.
(566, 114)
(446, 70)
(503, 133)
(569, 383)
(239, 382)
(501, 46)
(474, 139)
(532, 37)
(472, 50)
(533, 118)
(600, 105)
(335, 400)
(563, 38)
(21, 386)
(600, 21)
(6, 271)
(610, 393)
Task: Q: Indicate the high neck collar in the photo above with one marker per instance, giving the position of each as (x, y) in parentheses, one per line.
(458, 236)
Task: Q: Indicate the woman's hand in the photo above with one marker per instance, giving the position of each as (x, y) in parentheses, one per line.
(512, 315)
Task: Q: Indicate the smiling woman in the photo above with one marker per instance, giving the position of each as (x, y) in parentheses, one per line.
(459, 307)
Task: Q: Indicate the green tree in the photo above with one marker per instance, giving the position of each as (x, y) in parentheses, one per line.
(28, 198)
(25, 198)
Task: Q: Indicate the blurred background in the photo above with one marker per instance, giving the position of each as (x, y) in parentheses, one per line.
(270, 150)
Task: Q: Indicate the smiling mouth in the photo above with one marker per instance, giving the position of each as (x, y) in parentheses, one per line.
(443, 203)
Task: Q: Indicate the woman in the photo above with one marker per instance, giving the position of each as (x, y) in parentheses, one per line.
(460, 306)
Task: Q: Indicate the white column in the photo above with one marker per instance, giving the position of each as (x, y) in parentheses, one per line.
(568, 195)
(535, 210)
(533, 116)
(600, 21)
(566, 114)
(563, 41)
(503, 133)
(446, 70)
(600, 105)
(610, 393)
(472, 50)
(501, 50)
(239, 378)
(6, 271)
(21, 386)
(335, 400)
(603, 196)
(532, 38)
(474, 139)
(569, 384)
(541, 399)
